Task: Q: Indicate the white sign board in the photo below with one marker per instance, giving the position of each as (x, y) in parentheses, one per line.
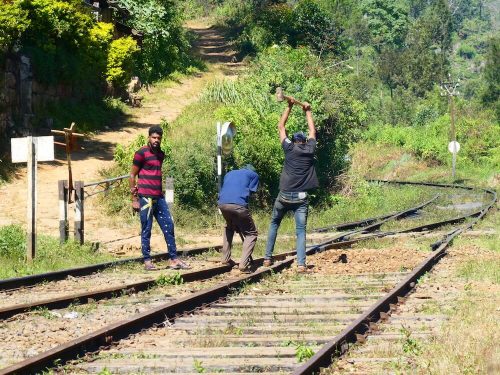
(44, 147)
(453, 146)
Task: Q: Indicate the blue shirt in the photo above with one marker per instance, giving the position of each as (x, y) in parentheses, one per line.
(237, 186)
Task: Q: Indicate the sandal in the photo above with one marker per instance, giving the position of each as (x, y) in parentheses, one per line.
(302, 269)
(180, 265)
(149, 266)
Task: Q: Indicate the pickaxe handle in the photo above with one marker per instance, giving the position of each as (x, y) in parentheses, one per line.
(293, 100)
(280, 97)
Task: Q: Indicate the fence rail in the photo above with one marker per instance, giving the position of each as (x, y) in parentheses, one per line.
(81, 192)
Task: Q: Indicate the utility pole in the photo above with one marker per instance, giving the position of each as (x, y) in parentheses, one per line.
(450, 89)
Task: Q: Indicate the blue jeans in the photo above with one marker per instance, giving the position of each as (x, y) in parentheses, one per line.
(158, 208)
(289, 201)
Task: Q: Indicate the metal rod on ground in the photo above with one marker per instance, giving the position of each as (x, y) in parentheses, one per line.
(79, 212)
(63, 211)
(31, 212)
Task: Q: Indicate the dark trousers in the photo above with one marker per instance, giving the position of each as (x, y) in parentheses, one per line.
(157, 208)
(238, 219)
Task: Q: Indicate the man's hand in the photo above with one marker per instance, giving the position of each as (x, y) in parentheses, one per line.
(306, 106)
(136, 206)
(290, 102)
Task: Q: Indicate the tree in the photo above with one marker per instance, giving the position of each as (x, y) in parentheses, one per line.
(426, 58)
(491, 76)
(387, 21)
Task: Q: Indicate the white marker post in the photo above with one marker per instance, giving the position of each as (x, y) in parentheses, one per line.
(31, 150)
(169, 192)
(453, 147)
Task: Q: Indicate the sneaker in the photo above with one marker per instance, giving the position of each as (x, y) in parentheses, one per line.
(245, 270)
(179, 265)
(302, 269)
(267, 262)
(149, 266)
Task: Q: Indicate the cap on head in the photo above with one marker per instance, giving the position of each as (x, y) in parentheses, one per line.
(155, 129)
(299, 137)
(250, 167)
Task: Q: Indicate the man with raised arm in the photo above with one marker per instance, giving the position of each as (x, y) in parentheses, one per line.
(148, 198)
(298, 177)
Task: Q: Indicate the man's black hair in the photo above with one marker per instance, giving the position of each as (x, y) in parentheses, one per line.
(156, 129)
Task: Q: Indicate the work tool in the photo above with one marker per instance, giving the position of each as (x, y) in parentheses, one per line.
(280, 96)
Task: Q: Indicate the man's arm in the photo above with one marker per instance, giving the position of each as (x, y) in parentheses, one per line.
(283, 120)
(134, 171)
(310, 121)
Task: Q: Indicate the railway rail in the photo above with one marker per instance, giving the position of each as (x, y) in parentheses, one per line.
(161, 314)
(19, 282)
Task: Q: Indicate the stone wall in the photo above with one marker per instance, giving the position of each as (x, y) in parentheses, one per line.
(9, 95)
(23, 98)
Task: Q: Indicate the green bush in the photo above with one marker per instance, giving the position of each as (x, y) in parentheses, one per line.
(262, 24)
(253, 108)
(12, 241)
(467, 51)
(121, 61)
(478, 136)
(13, 23)
(165, 45)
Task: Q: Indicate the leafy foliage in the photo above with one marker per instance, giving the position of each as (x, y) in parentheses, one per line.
(13, 23)
(254, 110)
(479, 139)
(164, 46)
(121, 60)
(257, 25)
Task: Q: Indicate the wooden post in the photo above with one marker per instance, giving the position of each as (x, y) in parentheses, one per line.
(79, 212)
(63, 211)
(31, 212)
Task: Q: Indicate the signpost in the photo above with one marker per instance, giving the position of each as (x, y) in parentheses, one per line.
(225, 136)
(32, 150)
(450, 89)
(69, 145)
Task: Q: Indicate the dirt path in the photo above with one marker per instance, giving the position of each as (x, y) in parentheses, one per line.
(161, 102)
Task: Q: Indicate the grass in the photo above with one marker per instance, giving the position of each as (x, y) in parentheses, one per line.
(50, 255)
(486, 266)
(468, 343)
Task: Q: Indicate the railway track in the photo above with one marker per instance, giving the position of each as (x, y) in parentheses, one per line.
(88, 289)
(83, 290)
(179, 305)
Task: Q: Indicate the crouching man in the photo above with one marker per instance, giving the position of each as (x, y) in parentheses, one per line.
(233, 203)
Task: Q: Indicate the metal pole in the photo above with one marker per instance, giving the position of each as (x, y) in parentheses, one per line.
(79, 213)
(453, 137)
(31, 202)
(219, 158)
